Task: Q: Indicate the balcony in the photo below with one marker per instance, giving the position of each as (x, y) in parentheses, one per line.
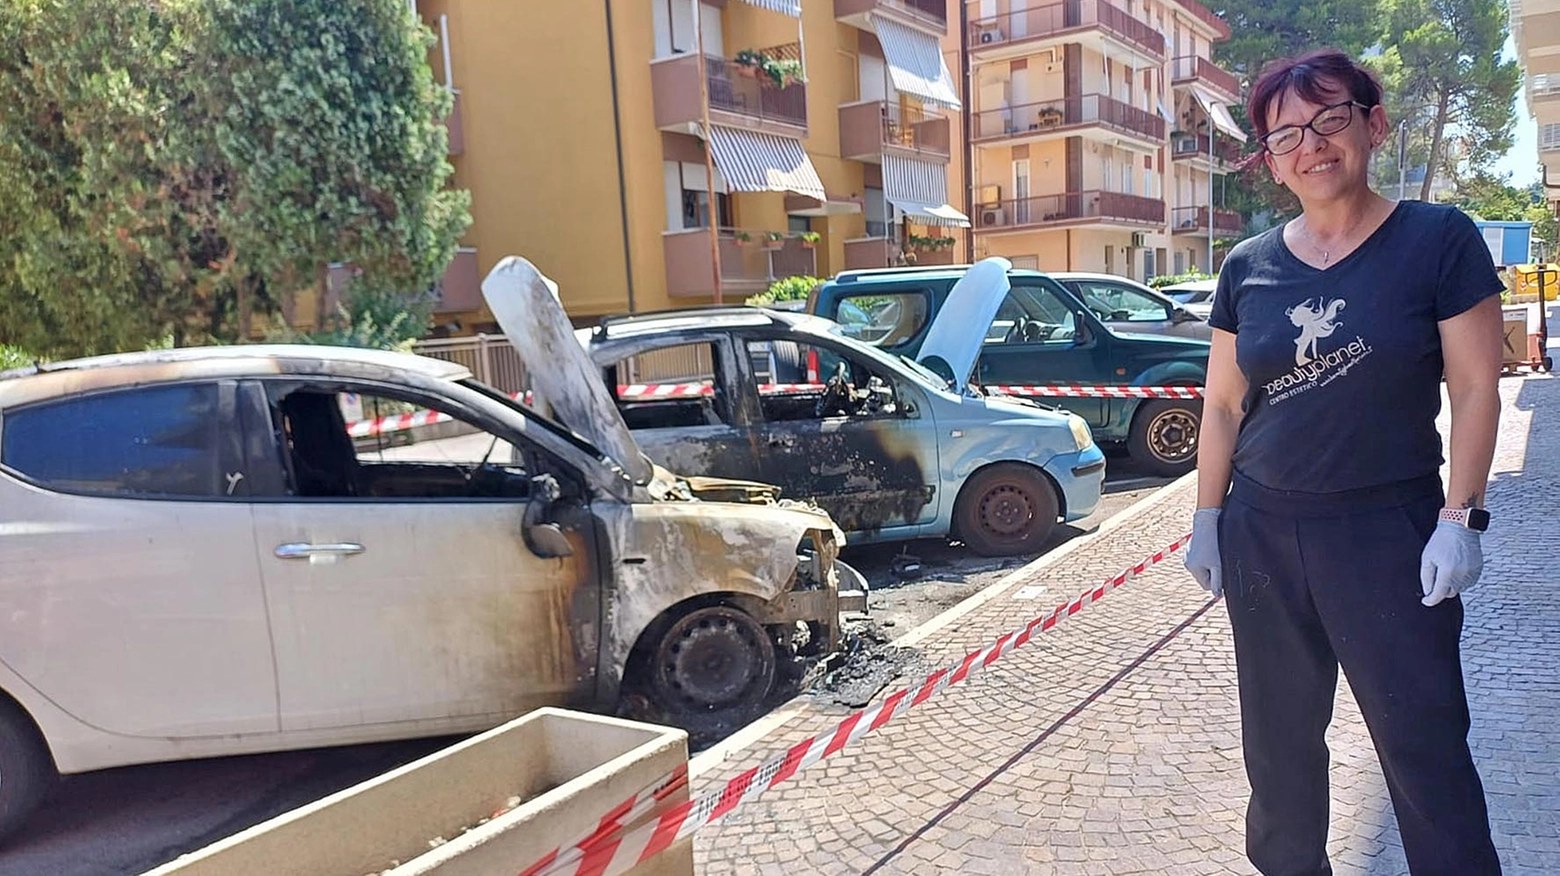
(871, 252)
(1189, 69)
(738, 98)
(867, 130)
(1194, 220)
(749, 261)
(1193, 149)
(1091, 22)
(455, 125)
(1093, 208)
(929, 16)
(1055, 119)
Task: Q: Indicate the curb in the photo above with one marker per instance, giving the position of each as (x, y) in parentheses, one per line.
(755, 732)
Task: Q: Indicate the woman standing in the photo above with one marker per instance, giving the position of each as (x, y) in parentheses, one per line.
(1320, 506)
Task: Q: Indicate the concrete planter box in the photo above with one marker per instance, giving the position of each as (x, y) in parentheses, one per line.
(567, 768)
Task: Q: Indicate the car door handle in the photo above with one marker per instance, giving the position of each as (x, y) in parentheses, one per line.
(302, 551)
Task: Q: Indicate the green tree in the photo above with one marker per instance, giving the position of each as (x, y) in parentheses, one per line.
(169, 167)
(1447, 75)
(1266, 30)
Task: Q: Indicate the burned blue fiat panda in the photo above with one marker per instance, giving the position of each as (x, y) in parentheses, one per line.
(885, 445)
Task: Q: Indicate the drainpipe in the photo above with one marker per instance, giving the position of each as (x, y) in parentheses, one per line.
(1211, 224)
(617, 131)
(709, 165)
(965, 125)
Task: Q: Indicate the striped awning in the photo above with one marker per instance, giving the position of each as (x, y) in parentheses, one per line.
(915, 63)
(792, 8)
(920, 189)
(1220, 114)
(756, 162)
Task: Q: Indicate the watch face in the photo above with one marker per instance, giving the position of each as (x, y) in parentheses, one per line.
(1479, 519)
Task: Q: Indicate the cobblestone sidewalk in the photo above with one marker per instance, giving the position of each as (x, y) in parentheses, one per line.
(1112, 744)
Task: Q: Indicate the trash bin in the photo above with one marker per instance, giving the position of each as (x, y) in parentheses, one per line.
(1542, 281)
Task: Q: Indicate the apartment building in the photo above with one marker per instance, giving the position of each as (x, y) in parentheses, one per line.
(1535, 28)
(1100, 134)
(656, 153)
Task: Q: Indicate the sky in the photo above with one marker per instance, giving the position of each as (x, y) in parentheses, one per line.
(1522, 161)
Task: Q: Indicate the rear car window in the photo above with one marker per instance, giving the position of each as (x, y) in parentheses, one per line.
(154, 442)
(883, 320)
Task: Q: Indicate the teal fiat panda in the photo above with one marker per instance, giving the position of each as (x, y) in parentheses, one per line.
(1037, 332)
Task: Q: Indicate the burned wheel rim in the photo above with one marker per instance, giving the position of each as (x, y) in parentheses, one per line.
(1172, 435)
(713, 658)
(1006, 512)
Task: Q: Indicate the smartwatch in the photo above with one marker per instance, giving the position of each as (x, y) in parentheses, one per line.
(1476, 519)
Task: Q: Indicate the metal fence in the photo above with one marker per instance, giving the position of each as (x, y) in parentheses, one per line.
(494, 361)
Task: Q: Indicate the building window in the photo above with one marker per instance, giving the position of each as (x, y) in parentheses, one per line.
(688, 197)
(1110, 259)
(1180, 262)
(876, 212)
(1549, 136)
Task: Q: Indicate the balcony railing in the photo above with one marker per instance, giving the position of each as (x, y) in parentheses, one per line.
(1073, 207)
(455, 125)
(1196, 146)
(1195, 219)
(1069, 112)
(930, 14)
(749, 261)
(1187, 68)
(733, 90)
(867, 129)
(1066, 17)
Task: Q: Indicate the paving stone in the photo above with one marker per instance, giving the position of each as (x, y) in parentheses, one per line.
(1147, 777)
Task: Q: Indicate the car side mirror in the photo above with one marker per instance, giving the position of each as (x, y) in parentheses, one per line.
(1082, 334)
(1180, 315)
(543, 537)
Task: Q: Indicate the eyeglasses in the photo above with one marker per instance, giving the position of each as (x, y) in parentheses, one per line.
(1329, 121)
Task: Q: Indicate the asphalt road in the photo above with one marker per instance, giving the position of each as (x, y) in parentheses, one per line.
(129, 820)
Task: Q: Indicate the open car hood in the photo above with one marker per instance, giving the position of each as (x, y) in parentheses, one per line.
(527, 308)
(953, 343)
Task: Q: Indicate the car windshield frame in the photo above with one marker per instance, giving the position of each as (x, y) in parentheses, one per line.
(532, 416)
(930, 379)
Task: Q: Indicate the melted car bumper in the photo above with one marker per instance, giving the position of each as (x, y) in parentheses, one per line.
(1081, 475)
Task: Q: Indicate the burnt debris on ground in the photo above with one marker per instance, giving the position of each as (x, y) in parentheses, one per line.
(867, 663)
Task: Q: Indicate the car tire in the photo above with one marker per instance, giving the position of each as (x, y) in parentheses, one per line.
(1164, 436)
(26, 769)
(1005, 510)
(712, 660)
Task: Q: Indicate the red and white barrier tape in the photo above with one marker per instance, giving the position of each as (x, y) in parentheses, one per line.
(1100, 391)
(402, 422)
(688, 390)
(618, 844)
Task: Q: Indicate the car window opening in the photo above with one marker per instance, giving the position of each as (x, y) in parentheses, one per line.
(445, 458)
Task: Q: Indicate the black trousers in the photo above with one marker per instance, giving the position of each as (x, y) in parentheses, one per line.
(1313, 582)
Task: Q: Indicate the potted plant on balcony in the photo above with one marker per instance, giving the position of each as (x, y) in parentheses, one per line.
(742, 238)
(773, 240)
(810, 239)
(750, 63)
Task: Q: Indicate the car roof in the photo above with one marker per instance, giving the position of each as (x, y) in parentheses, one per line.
(1091, 275)
(47, 380)
(717, 317)
(929, 272)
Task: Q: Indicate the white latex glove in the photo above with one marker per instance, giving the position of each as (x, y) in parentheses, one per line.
(1451, 562)
(1202, 554)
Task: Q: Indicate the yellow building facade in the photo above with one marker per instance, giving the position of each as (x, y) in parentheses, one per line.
(649, 154)
(1098, 134)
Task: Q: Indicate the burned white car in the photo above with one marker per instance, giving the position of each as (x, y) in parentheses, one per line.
(198, 558)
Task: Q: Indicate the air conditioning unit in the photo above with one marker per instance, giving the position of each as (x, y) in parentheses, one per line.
(1184, 145)
(993, 216)
(1139, 239)
(993, 35)
(990, 196)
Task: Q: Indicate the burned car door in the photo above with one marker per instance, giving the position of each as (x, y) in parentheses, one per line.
(685, 404)
(851, 436)
(401, 580)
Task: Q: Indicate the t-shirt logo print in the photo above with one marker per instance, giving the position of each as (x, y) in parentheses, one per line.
(1314, 322)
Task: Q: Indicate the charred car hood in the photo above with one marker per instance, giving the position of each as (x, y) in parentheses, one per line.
(527, 308)
(953, 343)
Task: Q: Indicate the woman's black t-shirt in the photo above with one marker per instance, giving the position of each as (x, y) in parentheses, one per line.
(1344, 364)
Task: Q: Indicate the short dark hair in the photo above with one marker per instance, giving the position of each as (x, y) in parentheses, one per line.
(1315, 77)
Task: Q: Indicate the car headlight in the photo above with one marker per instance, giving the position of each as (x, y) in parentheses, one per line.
(1080, 431)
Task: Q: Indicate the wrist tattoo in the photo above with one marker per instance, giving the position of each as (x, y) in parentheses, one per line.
(1471, 502)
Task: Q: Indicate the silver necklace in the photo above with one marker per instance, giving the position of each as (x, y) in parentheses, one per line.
(1327, 254)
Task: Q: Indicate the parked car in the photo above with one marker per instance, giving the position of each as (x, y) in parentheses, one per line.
(882, 444)
(1195, 295)
(1037, 333)
(1125, 305)
(197, 560)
